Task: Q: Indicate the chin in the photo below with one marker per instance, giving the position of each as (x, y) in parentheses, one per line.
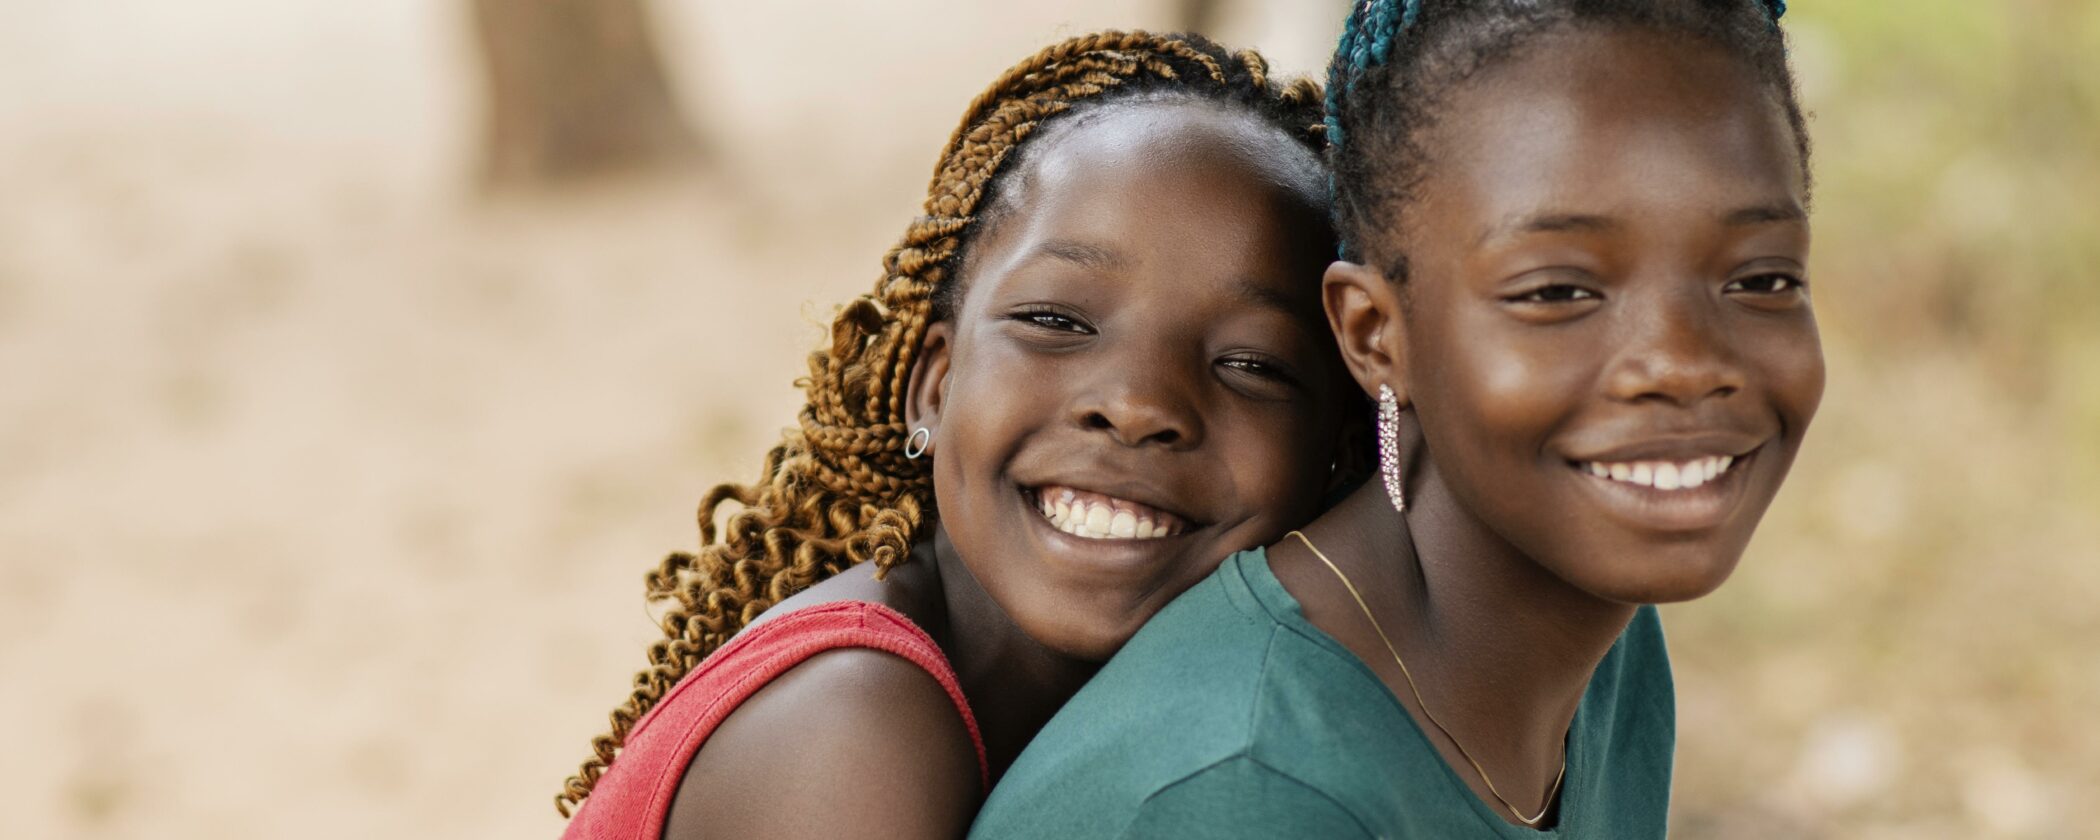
(1086, 645)
(1658, 577)
(1663, 591)
(1087, 641)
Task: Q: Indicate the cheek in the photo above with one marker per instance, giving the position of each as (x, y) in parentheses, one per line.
(974, 420)
(1503, 393)
(1800, 376)
(1278, 464)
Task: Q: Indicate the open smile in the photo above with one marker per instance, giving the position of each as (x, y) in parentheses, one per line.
(1662, 475)
(1678, 493)
(1098, 516)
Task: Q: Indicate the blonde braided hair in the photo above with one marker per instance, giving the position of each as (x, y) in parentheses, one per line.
(838, 491)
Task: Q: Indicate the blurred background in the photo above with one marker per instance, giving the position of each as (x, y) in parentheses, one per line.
(357, 358)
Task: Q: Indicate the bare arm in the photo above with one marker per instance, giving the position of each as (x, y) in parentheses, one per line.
(851, 743)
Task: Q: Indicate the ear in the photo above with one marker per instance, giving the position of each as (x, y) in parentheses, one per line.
(1363, 308)
(927, 387)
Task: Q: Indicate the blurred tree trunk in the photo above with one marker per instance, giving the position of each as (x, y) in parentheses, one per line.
(1198, 16)
(575, 89)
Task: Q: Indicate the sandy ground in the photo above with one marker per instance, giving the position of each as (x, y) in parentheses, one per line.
(325, 488)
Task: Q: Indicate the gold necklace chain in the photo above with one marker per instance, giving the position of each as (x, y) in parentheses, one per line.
(1410, 677)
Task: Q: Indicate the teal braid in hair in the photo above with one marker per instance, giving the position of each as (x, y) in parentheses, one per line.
(1367, 38)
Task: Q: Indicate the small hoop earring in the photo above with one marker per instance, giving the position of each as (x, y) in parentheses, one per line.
(1389, 446)
(915, 445)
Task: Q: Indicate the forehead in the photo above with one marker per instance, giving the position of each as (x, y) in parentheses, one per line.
(1614, 120)
(1128, 146)
(1191, 189)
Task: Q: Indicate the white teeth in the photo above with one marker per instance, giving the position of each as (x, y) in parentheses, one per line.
(1663, 475)
(1693, 475)
(1098, 519)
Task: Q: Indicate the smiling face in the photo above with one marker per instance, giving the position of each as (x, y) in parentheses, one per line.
(1607, 337)
(1138, 381)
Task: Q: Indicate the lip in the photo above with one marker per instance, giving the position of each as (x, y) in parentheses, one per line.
(1679, 511)
(1678, 448)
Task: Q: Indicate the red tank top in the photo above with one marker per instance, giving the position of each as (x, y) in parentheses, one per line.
(633, 798)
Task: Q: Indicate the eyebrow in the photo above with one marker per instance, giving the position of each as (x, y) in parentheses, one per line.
(1549, 223)
(1266, 296)
(1083, 254)
(1778, 211)
(1102, 258)
(1554, 222)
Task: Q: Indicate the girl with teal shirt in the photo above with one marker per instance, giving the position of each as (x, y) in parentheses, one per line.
(1574, 279)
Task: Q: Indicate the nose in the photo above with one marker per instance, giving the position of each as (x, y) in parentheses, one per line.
(1677, 355)
(1137, 406)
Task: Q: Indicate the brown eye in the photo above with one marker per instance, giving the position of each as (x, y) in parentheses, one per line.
(1258, 377)
(1556, 293)
(1256, 367)
(1050, 320)
(1766, 284)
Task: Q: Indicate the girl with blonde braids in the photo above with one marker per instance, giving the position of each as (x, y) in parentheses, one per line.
(1096, 366)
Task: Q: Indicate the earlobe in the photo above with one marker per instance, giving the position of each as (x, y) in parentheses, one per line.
(1363, 308)
(927, 387)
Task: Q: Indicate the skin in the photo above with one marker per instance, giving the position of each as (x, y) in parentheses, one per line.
(1145, 324)
(1607, 258)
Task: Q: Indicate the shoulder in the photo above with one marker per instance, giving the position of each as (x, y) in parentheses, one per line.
(1243, 797)
(1637, 668)
(1220, 615)
(1645, 632)
(910, 589)
(1185, 694)
(850, 742)
(1196, 667)
(1635, 681)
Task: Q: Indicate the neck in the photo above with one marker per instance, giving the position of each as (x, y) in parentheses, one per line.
(1519, 641)
(1014, 683)
(1500, 650)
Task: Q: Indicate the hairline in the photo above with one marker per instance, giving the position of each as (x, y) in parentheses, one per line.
(1006, 191)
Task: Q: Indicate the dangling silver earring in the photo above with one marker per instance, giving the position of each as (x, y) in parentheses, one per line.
(1389, 446)
(915, 445)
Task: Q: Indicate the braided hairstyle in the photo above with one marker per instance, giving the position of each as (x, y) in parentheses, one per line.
(1399, 59)
(838, 491)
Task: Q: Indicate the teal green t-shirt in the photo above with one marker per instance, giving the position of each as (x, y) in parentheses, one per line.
(1229, 715)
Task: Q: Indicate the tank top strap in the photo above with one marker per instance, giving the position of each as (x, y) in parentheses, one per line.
(634, 796)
